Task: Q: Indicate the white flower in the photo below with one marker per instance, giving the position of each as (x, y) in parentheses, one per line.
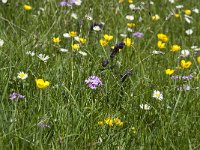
(196, 48)
(73, 15)
(130, 17)
(63, 50)
(188, 18)
(1, 42)
(22, 75)
(157, 52)
(82, 53)
(4, 1)
(132, 6)
(123, 35)
(158, 95)
(189, 31)
(171, 1)
(96, 28)
(43, 57)
(151, 2)
(195, 10)
(66, 35)
(185, 53)
(130, 30)
(30, 53)
(77, 38)
(88, 17)
(179, 6)
(78, 2)
(145, 106)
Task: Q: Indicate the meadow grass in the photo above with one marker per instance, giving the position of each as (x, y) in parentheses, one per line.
(67, 113)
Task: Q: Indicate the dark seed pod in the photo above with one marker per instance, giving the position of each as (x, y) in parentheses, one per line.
(125, 75)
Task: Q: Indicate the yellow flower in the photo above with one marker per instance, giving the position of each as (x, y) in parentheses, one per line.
(108, 37)
(160, 44)
(188, 12)
(175, 48)
(75, 46)
(100, 123)
(118, 122)
(169, 71)
(127, 42)
(177, 15)
(185, 64)
(72, 33)
(41, 84)
(198, 59)
(103, 42)
(131, 25)
(82, 40)
(155, 18)
(56, 40)
(27, 7)
(130, 1)
(162, 37)
(109, 121)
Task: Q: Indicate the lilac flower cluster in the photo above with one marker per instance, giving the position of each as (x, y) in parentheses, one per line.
(15, 96)
(93, 82)
(138, 35)
(189, 77)
(69, 3)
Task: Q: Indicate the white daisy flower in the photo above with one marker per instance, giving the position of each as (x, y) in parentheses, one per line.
(22, 75)
(82, 53)
(195, 10)
(158, 95)
(30, 53)
(4, 1)
(130, 17)
(195, 48)
(66, 35)
(185, 53)
(1, 42)
(43, 57)
(157, 52)
(189, 31)
(78, 2)
(145, 106)
(96, 28)
(179, 6)
(63, 50)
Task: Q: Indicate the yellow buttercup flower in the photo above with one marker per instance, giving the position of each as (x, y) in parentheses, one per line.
(41, 84)
(198, 59)
(188, 12)
(127, 42)
(130, 1)
(100, 123)
(131, 25)
(177, 15)
(27, 7)
(175, 48)
(73, 33)
(75, 46)
(109, 121)
(108, 37)
(56, 40)
(169, 71)
(162, 37)
(82, 40)
(155, 18)
(103, 42)
(185, 64)
(160, 44)
(118, 122)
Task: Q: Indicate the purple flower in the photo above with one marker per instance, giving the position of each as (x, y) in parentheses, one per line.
(15, 96)
(137, 35)
(93, 82)
(63, 3)
(189, 77)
